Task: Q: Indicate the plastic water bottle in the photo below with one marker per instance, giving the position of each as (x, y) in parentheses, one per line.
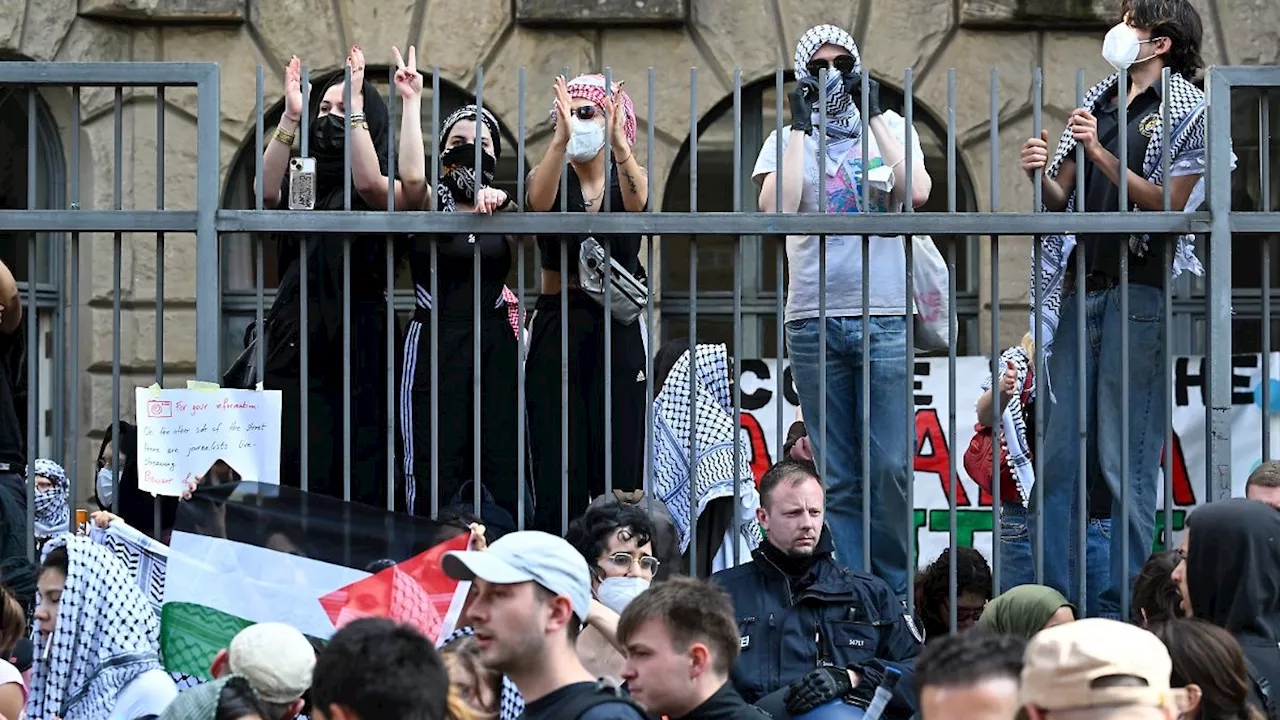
(884, 693)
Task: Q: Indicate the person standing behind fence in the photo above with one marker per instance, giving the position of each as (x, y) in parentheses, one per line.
(1153, 35)
(586, 115)
(369, 121)
(458, 320)
(829, 47)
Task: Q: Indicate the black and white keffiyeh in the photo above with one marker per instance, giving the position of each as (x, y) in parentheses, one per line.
(461, 179)
(52, 510)
(1186, 105)
(844, 122)
(511, 704)
(106, 635)
(715, 434)
(1014, 439)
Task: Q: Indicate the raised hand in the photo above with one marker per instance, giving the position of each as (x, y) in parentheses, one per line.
(408, 79)
(356, 62)
(564, 113)
(293, 90)
(617, 125)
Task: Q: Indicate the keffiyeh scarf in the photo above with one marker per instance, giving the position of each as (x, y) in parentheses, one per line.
(716, 430)
(1013, 419)
(106, 636)
(1188, 144)
(511, 704)
(462, 179)
(844, 122)
(592, 87)
(52, 511)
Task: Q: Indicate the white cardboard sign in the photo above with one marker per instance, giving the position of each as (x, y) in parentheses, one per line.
(181, 433)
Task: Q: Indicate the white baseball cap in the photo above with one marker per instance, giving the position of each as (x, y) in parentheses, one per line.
(275, 658)
(528, 556)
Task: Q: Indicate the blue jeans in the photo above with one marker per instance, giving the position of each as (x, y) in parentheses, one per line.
(1147, 389)
(890, 411)
(1018, 565)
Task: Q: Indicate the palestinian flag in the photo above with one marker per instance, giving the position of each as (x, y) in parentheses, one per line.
(244, 553)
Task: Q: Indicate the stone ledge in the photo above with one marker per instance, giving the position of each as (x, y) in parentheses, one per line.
(166, 11)
(601, 13)
(1037, 14)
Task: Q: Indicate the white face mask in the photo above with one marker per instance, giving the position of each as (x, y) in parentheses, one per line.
(585, 140)
(105, 484)
(1121, 46)
(617, 592)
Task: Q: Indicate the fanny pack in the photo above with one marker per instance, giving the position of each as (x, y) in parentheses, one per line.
(628, 295)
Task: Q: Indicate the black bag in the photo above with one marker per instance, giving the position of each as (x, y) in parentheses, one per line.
(603, 693)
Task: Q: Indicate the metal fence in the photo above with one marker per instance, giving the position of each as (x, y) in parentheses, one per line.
(1216, 223)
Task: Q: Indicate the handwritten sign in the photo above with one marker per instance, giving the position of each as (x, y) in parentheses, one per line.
(181, 433)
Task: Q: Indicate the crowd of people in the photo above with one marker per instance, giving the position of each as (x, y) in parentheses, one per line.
(592, 613)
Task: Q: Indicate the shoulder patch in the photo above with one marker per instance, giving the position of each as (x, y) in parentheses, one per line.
(916, 630)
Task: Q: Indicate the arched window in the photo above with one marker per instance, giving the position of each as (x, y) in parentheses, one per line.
(239, 284)
(50, 179)
(760, 286)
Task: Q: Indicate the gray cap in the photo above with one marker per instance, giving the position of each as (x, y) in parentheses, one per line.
(275, 658)
(528, 556)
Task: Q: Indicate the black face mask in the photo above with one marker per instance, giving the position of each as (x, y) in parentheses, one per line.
(459, 163)
(329, 135)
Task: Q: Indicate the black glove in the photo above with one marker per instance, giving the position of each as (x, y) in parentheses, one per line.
(803, 96)
(853, 86)
(818, 687)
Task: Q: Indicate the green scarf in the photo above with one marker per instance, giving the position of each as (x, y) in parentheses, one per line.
(1022, 611)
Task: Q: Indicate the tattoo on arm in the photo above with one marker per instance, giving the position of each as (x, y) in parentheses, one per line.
(631, 182)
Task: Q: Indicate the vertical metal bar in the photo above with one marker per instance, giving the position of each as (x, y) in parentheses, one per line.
(258, 148)
(564, 349)
(866, 342)
(346, 293)
(156, 518)
(33, 326)
(822, 282)
(607, 193)
(1122, 102)
(390, 349)
(304, 356)
(1264, 178)
(435, 295)
(476, 300)
(73, 344)
(649, 319)
(779, 293)
(1219, 311)
(952, 478)
(208, 279)
(1166, 160)
(521, 446)
(117, 204)
(908, 255)
(952, 582)
(993, 144)
(1037, 121)
(1083, 395)
(737, 315)
(693, 326)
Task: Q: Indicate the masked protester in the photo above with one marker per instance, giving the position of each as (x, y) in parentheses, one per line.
(333, 126)
(116, 488)
(457, 316)
(53, 512)
(1153, 35)
(882, 135)
(587, 114)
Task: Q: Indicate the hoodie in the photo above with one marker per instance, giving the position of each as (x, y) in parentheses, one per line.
(1233, 577)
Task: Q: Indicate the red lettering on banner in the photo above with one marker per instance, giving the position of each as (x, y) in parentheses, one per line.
(760, 459)
(1183, 494)
(938, 461)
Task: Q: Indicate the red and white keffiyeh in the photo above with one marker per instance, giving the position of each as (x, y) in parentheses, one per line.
(592, 87)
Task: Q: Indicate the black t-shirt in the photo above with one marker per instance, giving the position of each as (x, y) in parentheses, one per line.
(625, 248)
(1102, 252)
(556, 705)
(454, 270)
(13, 397)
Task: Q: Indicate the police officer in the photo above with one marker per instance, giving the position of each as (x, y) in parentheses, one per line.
(813, 631)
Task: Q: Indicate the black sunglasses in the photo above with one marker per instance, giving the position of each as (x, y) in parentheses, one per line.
(586, 112)
(843, 64)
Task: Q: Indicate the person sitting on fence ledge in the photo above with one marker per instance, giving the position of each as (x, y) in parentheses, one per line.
(833, 49)
(587, 114)
(458, 319)
(366, 124)
(1152, 35)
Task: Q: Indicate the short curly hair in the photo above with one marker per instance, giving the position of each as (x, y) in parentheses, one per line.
(973, 574)
(1177, 20)
(589, 533)
(968, 658)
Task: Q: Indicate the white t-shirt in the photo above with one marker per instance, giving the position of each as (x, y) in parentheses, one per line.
(887, 294)
(149, 694)
(10, 675)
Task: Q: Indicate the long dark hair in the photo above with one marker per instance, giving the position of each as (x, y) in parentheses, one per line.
(1156, 597)
(1209, 657)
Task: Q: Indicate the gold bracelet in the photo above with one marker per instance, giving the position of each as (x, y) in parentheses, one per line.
(285, 137)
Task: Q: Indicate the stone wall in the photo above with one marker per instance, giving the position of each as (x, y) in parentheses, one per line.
(719, 36)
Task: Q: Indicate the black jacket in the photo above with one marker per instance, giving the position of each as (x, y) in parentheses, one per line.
(1233, 576)
(726, 704)
(841, 617)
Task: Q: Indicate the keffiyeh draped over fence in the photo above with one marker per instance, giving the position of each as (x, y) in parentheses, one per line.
(716, 430)
(105, 636)
(1013, 419)
(511, 704)
(52, 509)
(1186, 105)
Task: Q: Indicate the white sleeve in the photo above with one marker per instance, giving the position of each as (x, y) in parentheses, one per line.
(148, 694)
(767, 160)
(898, 126)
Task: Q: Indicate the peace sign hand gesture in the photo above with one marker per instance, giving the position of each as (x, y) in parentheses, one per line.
(408, 79)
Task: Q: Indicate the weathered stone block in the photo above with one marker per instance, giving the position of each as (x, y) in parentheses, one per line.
(11, 16)
(1041, 14)
(238, 59)
(630, 53)
(902, 36)
(152, 11)
(740, 34)
(970, 50)
(602, 13)
(457, 37)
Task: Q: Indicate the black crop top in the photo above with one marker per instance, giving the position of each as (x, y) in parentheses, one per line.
(625, 248)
